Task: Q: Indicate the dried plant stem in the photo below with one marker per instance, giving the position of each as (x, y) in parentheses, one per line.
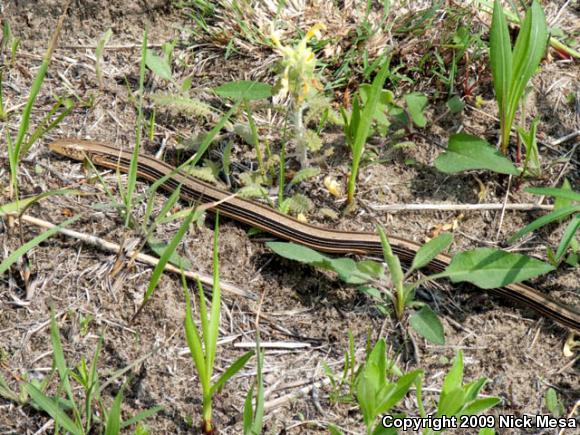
(143, 258)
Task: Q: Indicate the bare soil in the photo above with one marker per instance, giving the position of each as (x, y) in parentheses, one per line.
(515, 348)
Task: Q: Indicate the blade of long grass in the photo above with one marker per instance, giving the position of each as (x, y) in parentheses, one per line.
(234, 368)
(544, 220)
(12, 258)
(49, 406)
(500, 56)
(567, 237)
(214, 320)
(60, 363)
(114, 418)
(141, 416)
(158, 271)
(20, 206)
(132, 176)
(194, 341)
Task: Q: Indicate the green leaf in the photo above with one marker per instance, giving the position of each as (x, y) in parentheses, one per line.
(49, 406)
(500, 56)
(304, 174)
(248, 412)
(455, 104)
(141, 416)
(555, 215)
(480, 405)
(177, 260)
(473, 388)
(492, 268)
(23, 249)
(19, 206)
(554, 404)
(454, 377)
(561, 201)
(564, 192)
(393, 397)
(567, 237)
(114, 418)
(451, 403)
(430, 250)
(236, 366)
(428, 325)
(158, 65)
(244, 89)
(486, 431)
(296, 252)
(467, 152)
(416, 104)
(528, 52)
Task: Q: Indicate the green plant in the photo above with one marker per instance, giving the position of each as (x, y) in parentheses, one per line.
(357, 127)
(299, 80)
(512, 70)
(380, 386)
(486, 268)
(532, 164)
(68, 412)
(18, 147)
(203, 343)
(347, 378)
(466, 152)
(458, 399)
(254, 415)
(103, 40)
(567, 204)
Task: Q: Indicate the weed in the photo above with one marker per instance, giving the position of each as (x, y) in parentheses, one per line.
(203, 343)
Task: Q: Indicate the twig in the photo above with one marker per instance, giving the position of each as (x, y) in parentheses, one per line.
(458, 207)
(143, 258)
(502, 214)
(565, 138)
(279, 401)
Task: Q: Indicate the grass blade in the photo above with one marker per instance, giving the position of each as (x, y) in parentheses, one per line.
(561, 213)
(12, 258)
(500, 56)
(49, 406)
(236, 366)
(569, 234)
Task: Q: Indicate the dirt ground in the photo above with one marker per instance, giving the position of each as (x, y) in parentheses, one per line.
(515, 348)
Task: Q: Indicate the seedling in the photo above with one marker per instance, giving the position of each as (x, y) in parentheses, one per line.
(202, 343)
(512, 70)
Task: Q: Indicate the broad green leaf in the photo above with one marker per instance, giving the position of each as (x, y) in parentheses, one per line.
(12, 258)
(416, 104)
(431, 249)
(453, 378)
(562, 192)
(234, 368)
(244, 90)
(480, 405)
(492, 268)
(296, 252)
(500, 56)
(568, 236)
(486, 431)
(428, 325)
(158, 65)
(49, 406)
(555, 215)
(553, 403)
(467, 152)
(451, 403)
